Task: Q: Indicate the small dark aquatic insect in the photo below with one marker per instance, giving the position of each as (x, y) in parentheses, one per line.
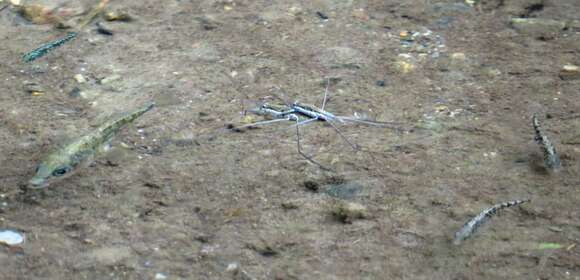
(46, 48)
(322, 16)
(551, 158)
(103, 29)
(469, 228)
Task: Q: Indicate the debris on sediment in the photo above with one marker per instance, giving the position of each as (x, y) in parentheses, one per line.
(238, 272)
(92, 14)
(538, 27)
(264, 248)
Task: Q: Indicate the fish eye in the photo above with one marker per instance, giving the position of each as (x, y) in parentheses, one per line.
(60, 171)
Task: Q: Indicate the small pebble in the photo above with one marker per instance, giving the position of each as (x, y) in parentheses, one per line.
(33, 88)
(458, 56)
(404, 67)
(295, 10)
(570, 72)
(574, 25)
(208, 22)
(360, 14)
(311, 186)
(345, 190)
(289, 205)
(109, 79)
(555, 229)
(75, 92)
(340, 57)
(349, 211)
(37, 14)
(233, 267)
(406, 35)
(80, 79)
(117, 15)
(538, 27)
(160, 276)
(470, 2)
(10, 237)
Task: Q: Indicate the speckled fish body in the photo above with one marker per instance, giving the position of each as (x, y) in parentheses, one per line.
(469, 228)
(551, 158)
(46, 48)
(68, 158)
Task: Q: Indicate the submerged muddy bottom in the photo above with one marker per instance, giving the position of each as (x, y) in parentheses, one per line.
(180, 196)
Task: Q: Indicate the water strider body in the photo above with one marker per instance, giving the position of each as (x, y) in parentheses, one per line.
(276, 111)
(66, 159)
(302, 114)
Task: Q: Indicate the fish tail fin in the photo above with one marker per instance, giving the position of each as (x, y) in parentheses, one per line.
(512, 203)
(144, 109)
(111, 127)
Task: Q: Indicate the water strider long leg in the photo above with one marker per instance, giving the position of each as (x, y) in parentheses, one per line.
(304, 122)
(354, 146)
(391, 125)
(322, 115)
(325, 93)
(308, 158)
(261, 123)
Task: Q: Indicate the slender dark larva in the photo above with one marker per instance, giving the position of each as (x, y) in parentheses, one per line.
(551, 158)
(46, 48)
(469, 228)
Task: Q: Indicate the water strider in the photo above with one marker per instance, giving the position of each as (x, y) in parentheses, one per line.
(302, 114)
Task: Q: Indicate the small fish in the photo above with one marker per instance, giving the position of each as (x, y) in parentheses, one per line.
(65, 160)
(469, 228)
(551, 158)
(46, 48)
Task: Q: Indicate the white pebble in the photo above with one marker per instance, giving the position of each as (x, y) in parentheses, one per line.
(80, 79)
(160, 276)
(232, 267)
(10, 237)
